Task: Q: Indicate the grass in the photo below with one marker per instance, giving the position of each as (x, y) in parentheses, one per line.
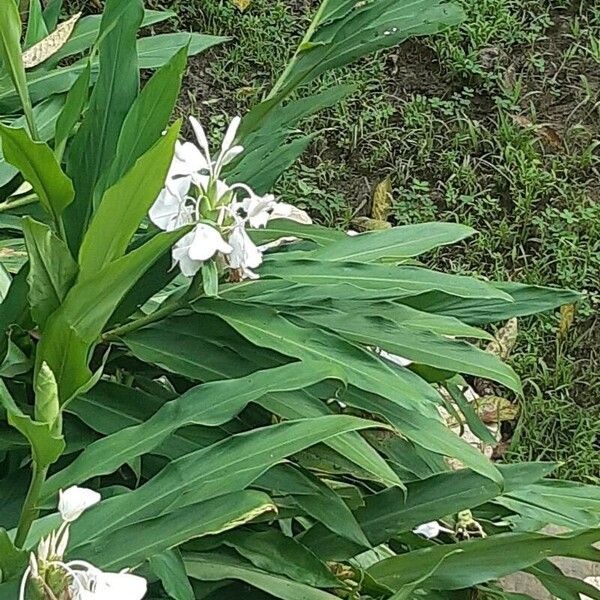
(493, 124)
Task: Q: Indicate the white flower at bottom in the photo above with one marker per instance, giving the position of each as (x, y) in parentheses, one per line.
(196, 247)
(97, 585)
(429, 530)
(74, 501)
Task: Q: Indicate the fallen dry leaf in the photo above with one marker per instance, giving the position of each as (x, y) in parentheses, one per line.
(50, 45)
(549, 134)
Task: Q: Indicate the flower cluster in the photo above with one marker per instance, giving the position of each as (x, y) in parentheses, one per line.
(194, 193)
(51, 577)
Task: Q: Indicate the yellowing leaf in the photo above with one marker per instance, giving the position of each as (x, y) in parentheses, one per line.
(495, 409)
(243, 5)
(50, 45)
(505, 341)
(382, 200)
(567, 315)
(368, 224)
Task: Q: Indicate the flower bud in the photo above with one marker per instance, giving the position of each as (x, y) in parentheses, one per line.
(47, 407)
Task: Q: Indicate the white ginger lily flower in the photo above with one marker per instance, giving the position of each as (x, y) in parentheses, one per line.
(74, 501)
(198, 246)
(81, 580)
(245, 255)
(90, 583)
(169, 211)
(194, 192)
(431, 530)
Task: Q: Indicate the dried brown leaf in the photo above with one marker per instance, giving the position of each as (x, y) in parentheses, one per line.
(547, 133)
(50, 45)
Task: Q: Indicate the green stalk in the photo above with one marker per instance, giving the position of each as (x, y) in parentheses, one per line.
(25, 201)
(292, 63)
(30, 511)
(159, 314)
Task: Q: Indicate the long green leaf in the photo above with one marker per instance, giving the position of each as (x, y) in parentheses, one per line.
(87, 29)
(36, 26)
(212, 403)
(52, 270)
(228, 466)
(169, 568)
(214, 567)
(266, 328)
(149, 115)
(391, 512)
(124, 206)
(71, 113)
(39, 166)
(275, 552)
(394, 244)
(45, 115)
(93, 148)
(418, 346)
(52, 13)
(478, 560)
(10, 53)
(351, 280)
(46, 446)
(74, 329)
(133, 544)
(526, 300)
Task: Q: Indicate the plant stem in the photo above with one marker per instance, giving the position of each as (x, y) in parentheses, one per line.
(292, 63)
(30, 509)
(157, 315)
(26, 200)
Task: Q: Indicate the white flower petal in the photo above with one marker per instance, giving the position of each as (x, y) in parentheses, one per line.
(118, 586)
(206, 243)
(169, 211)
(429, 530)
(201, 137)
(398, 360)
(282, 210)
(230, 136)
(181, 256)
(188, 159)
(74, 501)
(245, 254)
(231, 154)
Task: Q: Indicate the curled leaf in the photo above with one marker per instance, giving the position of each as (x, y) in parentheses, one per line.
(368, 224)
(567, 315)
(505, 341)
(495, 409)
(243, 5)
(382, 200)
(50, 45)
